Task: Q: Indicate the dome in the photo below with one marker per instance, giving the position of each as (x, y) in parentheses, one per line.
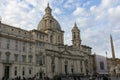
(48, 22)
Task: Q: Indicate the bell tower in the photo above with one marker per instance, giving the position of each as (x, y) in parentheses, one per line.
(76, 40)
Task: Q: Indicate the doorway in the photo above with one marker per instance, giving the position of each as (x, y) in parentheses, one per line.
(65, 69)
(6, 72)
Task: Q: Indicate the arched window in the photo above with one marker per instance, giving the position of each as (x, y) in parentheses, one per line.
(74, 35)
(50, 23)
(78, 34)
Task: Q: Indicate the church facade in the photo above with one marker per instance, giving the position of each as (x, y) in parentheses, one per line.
(42, 52)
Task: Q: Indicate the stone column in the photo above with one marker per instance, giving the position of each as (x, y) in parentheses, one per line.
(83, 67)
(60, 65)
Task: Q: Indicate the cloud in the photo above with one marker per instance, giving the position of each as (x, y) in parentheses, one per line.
(95, 22)
(78, 11)
(24, 13)
(71, 4)
(57, 11)
(87, 3)
(114, 14)
(82, 23)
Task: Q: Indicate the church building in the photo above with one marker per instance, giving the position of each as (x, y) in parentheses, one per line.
(42, 52)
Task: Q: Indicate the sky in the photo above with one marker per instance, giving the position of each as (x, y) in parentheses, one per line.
(96, 19)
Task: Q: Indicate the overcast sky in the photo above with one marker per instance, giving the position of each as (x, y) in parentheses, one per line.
(96, 19)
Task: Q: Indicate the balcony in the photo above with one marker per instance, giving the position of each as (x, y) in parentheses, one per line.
(7, 61)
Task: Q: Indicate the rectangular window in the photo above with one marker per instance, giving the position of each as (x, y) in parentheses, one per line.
(23, 71)
(58, 38)
(30, 71)
(37, 59)
(15, 73)
(8, 46)
(24, 47)
(16, 45)
(0, 55)
(43, 59)
(102, 65)
(23, 58)
(81, 66)
(43, 37)
(30, 58)
(7, 57)
(8, 43)
(16, 57)
(0, 42)
(30, 47)
(40, 60)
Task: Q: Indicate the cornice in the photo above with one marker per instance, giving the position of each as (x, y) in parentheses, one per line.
(16, 38)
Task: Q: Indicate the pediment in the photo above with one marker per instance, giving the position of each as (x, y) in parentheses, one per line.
(66, 52)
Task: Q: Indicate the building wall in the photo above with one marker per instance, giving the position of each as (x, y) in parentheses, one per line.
(27, 53)
(101, 64)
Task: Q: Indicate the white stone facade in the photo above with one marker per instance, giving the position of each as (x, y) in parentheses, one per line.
(29, 53)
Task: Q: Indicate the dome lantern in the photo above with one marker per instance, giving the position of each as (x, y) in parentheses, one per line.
(48, 10)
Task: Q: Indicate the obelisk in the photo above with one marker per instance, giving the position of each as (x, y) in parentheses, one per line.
(112, 47)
